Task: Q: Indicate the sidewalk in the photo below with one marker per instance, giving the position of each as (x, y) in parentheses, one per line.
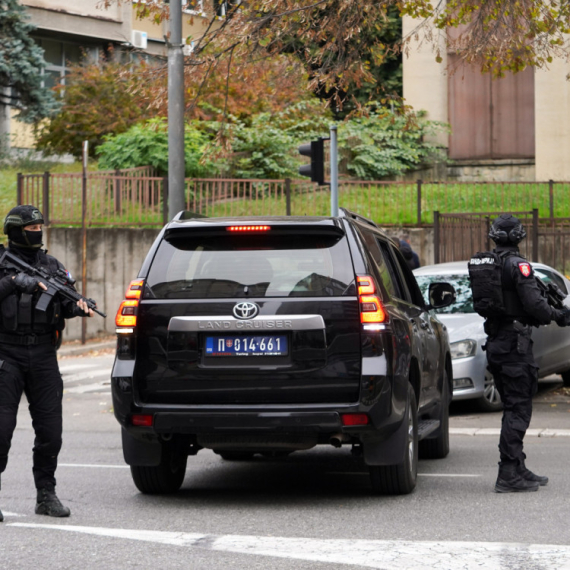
(550, 417)
(93, 345)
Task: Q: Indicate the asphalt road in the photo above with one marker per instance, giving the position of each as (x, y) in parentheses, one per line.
(311, 510)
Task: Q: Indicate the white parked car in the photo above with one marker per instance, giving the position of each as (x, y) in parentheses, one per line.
(471, 379)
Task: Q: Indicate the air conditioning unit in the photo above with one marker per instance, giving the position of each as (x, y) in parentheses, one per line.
(139, 39)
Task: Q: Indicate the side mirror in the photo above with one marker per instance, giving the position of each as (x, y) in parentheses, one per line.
(441, 295)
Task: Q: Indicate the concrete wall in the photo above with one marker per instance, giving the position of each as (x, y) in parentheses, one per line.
(424, 79)
(114, 259)
(552, 122)
(82, 18)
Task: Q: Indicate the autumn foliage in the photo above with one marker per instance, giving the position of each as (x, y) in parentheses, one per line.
(109, 97)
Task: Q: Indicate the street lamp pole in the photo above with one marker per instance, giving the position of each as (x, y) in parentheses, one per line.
(176, 189)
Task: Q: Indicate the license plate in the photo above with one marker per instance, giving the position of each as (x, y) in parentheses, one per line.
(275, 345)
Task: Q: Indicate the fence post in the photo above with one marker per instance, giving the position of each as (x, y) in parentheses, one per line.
(436, 236)
(19, 188)
(164, 200)
(419, 182)
(45, 198)
(288, 196)
(535, 234)
(551, 194)
(117, 189)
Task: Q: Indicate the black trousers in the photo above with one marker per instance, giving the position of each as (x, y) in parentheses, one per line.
(32, 370)
(516, 377)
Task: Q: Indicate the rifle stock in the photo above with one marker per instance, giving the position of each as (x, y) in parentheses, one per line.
(58, 283)
(553, 294)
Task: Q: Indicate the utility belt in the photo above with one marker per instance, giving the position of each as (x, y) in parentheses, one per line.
(26, 339)
(523, 332)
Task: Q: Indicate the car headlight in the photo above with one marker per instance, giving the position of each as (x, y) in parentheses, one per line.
(463, 348)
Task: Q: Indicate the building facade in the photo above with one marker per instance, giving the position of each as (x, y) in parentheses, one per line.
(71, 30)
(512, 128)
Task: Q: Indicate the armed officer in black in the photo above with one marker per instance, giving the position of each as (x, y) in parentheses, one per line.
(509, 353)
(28, 361)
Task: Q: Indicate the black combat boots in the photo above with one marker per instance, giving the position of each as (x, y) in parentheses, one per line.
(48, 504)
(509, 481)
(528, 475)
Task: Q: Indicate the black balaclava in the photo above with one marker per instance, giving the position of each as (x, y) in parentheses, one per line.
(25, 242)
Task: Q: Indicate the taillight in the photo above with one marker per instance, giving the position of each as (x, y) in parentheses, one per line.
(371, 309)
(142, 420)
(248, 228)
(127, 313)
(354, 419)
(135, 289)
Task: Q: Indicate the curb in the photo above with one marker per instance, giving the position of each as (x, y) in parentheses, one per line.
(496, 432)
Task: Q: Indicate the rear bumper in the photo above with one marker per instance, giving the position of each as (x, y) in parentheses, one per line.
(266, 422)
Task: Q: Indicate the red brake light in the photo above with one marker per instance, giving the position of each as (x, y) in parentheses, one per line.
(354, 419)
(248, 228)
(127, 313)
(365, 285)
(135, 289)
(144, 420)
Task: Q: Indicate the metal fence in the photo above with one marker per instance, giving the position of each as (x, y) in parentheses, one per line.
(458, 236)
(136, 198)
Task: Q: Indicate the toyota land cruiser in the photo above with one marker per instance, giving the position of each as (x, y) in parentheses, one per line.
(273, 335)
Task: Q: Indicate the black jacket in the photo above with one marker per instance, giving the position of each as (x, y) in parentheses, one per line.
(19, 315)
(523, 298)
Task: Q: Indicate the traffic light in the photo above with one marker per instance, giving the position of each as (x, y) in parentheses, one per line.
(316, 170)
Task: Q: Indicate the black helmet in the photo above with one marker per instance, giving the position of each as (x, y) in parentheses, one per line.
(507, 229)
(22, 216)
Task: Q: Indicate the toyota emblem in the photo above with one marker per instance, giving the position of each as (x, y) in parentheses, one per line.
(246, 310)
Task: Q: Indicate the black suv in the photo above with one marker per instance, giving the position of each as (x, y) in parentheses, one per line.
(272, 335)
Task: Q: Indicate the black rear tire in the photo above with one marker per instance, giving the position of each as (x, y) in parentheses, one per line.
(438, 447)
(162, 479)
(566, 378)
(400, 479)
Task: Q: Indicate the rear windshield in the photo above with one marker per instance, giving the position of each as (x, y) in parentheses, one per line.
(222, 266)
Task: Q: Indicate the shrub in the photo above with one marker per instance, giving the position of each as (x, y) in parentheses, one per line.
(146, 144)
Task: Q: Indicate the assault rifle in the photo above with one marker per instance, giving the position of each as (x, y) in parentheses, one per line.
(60, 283)
(553, 294)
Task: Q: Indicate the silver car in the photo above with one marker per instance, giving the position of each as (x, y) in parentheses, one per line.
(471, 379)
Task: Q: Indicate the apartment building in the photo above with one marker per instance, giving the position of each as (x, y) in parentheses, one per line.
(69, 30)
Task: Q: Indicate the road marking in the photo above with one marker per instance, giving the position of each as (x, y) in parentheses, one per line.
(92, 465)
(419, 474)
(9, 514)
(448, 475)
(380, 554)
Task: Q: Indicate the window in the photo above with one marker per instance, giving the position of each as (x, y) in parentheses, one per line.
(286, 265)
(384, 273)
(222, 7)
(193, 6)
(59, 56)
(461, 284)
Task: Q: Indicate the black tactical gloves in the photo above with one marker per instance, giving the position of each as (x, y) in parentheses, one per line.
(23, 282)
(562, 317)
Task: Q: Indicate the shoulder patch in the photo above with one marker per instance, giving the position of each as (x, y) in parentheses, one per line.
(525, 269)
